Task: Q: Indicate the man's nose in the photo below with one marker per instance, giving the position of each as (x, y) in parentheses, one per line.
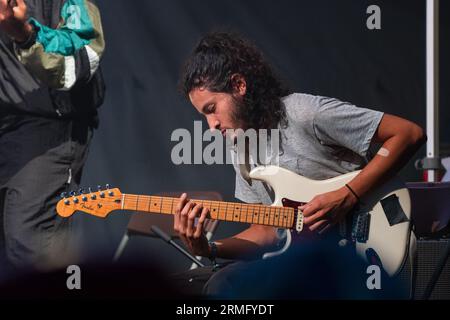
(213, 123)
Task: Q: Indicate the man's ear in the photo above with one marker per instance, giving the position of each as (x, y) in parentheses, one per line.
(239, 84)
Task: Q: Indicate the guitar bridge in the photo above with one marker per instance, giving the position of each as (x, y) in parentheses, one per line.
(360, 227)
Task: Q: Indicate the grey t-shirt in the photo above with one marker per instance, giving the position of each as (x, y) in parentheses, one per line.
(324, 138)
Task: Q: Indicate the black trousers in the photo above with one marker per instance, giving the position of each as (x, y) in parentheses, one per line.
(39, 159)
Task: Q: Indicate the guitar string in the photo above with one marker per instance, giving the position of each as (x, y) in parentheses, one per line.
(286, 214)
(270, 219)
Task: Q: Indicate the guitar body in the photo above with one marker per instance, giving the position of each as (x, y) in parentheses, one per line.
(386, 213)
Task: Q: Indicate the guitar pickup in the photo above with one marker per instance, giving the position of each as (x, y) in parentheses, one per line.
(361, 227)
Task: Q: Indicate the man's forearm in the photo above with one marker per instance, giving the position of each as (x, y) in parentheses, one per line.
(395, 153)
(250, 244)
(238, 249)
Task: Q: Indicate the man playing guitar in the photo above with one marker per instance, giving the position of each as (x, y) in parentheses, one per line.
(228, 81)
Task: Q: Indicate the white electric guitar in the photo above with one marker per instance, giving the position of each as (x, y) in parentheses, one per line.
(380, 227)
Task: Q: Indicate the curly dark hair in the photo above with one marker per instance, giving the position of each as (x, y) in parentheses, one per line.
(220, 55)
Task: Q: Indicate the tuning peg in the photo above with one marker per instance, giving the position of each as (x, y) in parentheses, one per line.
(73, 193)
(99, 188)
(81, 191)
(93, 197)
(63, 195)
(67, 202)
(90, 190)
(110, 193)
(108, 186)
(75, 200)
(102, 194)
(84, 198)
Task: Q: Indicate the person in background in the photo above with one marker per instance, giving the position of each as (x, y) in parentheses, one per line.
(50, 88)
(228, 80)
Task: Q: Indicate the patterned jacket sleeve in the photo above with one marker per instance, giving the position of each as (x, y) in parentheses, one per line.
(69, 54)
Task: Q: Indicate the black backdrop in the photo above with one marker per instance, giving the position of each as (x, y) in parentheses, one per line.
(320, 47)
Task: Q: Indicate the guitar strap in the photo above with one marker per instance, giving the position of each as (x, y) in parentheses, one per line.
(244, 166)
(243, 163)
(245, 172)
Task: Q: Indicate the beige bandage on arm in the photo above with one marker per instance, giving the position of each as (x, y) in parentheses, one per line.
(383, 152)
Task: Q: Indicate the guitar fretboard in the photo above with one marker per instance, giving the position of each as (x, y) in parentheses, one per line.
(282, 217)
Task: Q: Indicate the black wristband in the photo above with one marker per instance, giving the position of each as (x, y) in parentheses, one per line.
(354, 193)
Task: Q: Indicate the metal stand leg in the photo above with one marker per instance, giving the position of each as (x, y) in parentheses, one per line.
(121, 247)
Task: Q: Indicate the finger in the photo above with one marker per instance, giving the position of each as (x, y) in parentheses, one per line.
(191, 220)
(311, 208)
(319, 225)
(201, 222)
(3, 5)
(178, 208)
(181, 202)
(184, 215)
(21, 3)
(319, 215)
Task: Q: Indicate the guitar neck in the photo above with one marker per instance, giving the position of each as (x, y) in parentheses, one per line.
(282, 217)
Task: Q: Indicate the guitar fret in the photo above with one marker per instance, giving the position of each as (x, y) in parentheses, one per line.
(273, 210)
(238, 215)
(149, 204)
(171, 206)
(224, 213)
(285, 219)
(276, 218)
(259, 218)
(251, 210)
(233, 218)
(280, 218)
(214, 213)
(260, 214)
(249, 214)
(243, 217)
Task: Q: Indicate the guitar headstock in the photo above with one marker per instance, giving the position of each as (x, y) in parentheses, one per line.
(99, 203)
